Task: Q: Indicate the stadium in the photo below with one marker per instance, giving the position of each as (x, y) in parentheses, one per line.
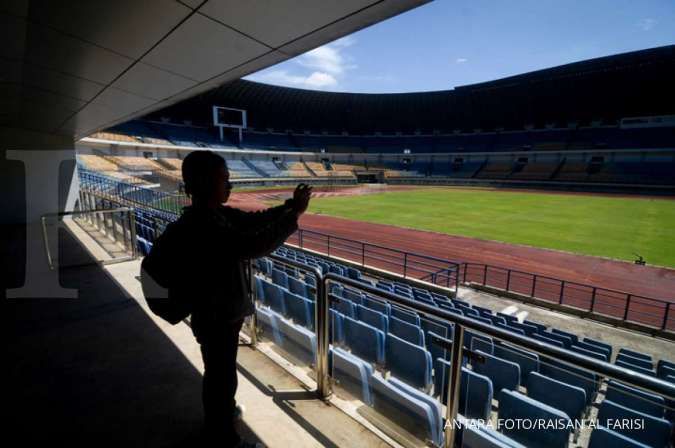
(501, 251)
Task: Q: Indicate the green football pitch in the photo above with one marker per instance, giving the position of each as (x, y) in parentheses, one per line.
(614, 227)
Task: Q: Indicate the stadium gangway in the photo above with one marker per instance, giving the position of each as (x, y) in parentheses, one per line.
(605, 369)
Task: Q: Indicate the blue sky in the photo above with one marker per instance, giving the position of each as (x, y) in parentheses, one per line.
(449, 43)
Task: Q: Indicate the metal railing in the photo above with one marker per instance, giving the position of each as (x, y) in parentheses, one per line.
(656, 313)
(461, 323)
(120, 230)
(409, 265)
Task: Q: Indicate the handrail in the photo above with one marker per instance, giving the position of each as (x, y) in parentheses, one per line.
(592, 293)
(592, 365)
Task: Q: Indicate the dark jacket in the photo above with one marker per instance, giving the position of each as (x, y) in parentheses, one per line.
(213, 248)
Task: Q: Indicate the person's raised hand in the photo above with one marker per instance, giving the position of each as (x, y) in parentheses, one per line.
(301, 197)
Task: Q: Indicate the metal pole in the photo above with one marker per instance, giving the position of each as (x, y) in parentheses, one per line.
(405, 264)
(534, 285)
(562, 289)
(328, 245)
(363, 254)
(452, 405)
(508, 279)
(321, 322)
(665, 317)
(253, 325)
(625, 314)
(485, 275)
(593, 298)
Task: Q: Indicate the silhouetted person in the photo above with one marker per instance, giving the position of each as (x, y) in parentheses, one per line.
(212, 244)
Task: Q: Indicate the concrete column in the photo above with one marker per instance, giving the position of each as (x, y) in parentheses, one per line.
(37, 177)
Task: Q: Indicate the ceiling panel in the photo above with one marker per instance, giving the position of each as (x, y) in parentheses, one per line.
(128, 27)
(278, 22)
(201, 49)
(151, 82)
(50, 49)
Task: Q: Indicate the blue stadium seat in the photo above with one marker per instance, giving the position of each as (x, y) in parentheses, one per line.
(377, 305)
(564, 397)
(573, 337)
(599, 344)
(298, 341)
(540, 327)
(508, 317)
(363, 340)
(635, 399)
(407, 316)
(336, 333)
(408, 362)
(259, 291)
(589, 353)
(280, 278)
(503, 374)
(407, 331)
(622, 363)
(482, 343)
(355, 296)
(344, 306)
(528, 362)
(374, 318)
(654, 432)
(274, 297)
(352, 374)
(634, 354)
(299, 287)
(268, 322)
(435, 406)
(474, 436)
(550, 341)
(664, 370)
(475, 395)
(570, 375)
(528, 329)
(593, 348)
(603, 438)
(639, 362)
(513, 405)
(409, 411)
(354, 274)
(566, 340)
(300, 310)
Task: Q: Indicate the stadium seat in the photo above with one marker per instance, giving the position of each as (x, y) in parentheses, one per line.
(363, 340)
(565, 340)
(603, 438)
(593, 348)
(599, 344)
(373, 318)
(503, 374)
(664, 370)
(407, 331)
(352, 374)
(407, 316)
(482, 343)
(528, 362)
(550, 341)
(474, 436)
(434, 405)
(352, 295)
(280, 278)
(573, 337)
(300, 310)
(570, 375)
(630, 366)
(540, 327)
(406, 410)
(638, 362)
(564, 397)
(634, 354)
(343, 306)
(589, 353)
(408, 362)
(274, 297)
(654, 432)
(268, 322)
(475, 395)
(514, 405)
(377, 305)
(336, 333)
(298, 341)
(299, 287)
(635, 399)
(528, 329)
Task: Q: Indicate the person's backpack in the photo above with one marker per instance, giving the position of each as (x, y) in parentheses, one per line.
(159, 274)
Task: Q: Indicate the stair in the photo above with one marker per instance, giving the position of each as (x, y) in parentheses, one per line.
(254, 168)
(311, 171)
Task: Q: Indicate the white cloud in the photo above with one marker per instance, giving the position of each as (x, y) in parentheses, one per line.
(646, 24)
(322, 68)
(461, 60)
(315, 80)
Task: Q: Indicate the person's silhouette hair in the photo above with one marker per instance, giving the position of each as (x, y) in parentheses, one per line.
(208, 249)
